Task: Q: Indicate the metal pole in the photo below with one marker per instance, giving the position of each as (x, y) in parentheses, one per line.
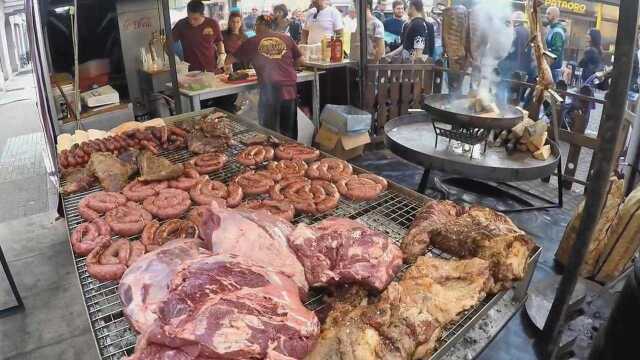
(362, 32)
(172, 58)
(604, 161)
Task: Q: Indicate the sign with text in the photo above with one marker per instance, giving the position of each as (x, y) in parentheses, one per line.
(571, 6)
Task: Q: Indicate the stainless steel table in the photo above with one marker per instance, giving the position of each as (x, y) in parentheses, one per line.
(412, 137)
(221, 88)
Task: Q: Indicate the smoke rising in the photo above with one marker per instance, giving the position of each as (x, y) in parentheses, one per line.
(491, 40)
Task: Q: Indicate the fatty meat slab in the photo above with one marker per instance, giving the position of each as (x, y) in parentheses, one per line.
(258, 237)
(145, 285)
(343, 251)
(223, 307)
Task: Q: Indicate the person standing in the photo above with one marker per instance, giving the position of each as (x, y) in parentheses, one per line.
(295, 27)
(591, 61)
(234, 35)
(394, 25)
(555, 41)
(250, 20)
(375, 35)
(274, 56)
(280, 14)
(201, 39)
(418, 35)
(322, 20)
(378, 12)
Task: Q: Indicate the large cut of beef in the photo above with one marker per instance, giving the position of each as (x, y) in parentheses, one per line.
(409, 318)
(145, 285)
(222, 307)
(256, 236)
(431, 217)
(489, 235)
(77, 180)
(157, 168)
(112, 172)
(339, 250)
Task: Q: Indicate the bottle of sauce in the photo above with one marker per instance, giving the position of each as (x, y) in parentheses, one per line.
(336, 50)
(325, 44)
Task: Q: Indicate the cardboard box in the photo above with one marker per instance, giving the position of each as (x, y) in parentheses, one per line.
(345, 119)
(343, 146)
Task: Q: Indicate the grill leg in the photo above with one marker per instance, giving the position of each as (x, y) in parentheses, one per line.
(424, 181)
(12, 284)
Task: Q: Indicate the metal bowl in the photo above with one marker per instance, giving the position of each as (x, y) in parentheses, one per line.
(456, 111)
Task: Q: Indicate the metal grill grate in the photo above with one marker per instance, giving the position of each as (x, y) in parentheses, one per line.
(391, 213)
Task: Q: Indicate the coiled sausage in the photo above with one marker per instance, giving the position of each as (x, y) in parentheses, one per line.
(288, 168)
(98, 203)
(329, 169)
(139, 190)
(255, 154)
(307, 196)
(87, 236)
(295, 151)
(188, 180)
(168, 203)
(257, 182)
(128, 219)
(208, 163)
(363, 187)
(207, 190)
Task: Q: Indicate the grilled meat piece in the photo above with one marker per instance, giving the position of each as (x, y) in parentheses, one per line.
(489, 235)
(77, 180)
(407, 320)
(455, 33)
(198, 143)
(432, 216)
(238, 75)
(112, 172)
(156, 168)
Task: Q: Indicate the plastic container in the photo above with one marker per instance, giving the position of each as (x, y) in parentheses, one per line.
(345, 119)
(197, 80)
(311, 52)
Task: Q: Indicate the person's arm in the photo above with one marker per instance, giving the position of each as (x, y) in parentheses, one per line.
(430, 41)
(378, 41)
(337, 23)
(298, 60)
(305, 36)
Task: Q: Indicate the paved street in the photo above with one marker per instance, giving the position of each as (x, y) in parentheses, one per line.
(53, 324)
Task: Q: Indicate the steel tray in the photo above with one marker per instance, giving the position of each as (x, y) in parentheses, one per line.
(391, 213)
(455, 111)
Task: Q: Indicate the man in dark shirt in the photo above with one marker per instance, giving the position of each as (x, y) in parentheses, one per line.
(418, 35)
(274, 57)
(201, 39)
(295, 27)
(394, 24)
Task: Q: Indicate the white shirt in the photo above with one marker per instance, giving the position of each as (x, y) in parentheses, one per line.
(327, 22)
(350, 24)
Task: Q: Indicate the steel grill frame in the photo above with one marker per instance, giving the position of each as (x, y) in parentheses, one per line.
(391, 213)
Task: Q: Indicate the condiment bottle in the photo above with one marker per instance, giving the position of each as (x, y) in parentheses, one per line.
(336, 50)
(326, 48)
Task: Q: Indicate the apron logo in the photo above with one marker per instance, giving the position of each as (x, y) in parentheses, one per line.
(272, 47)
(207, 31)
